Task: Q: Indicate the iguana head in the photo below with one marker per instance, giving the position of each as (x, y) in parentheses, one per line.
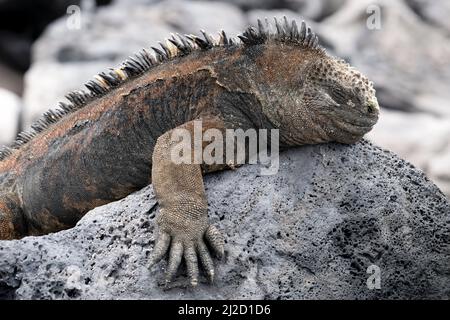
(342, 100)
(311, 96)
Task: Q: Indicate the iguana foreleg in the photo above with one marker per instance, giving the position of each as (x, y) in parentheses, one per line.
(183, 220)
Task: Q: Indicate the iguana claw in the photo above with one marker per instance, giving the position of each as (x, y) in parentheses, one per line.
(191, 250)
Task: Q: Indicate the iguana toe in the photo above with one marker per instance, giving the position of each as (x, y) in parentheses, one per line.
(160, 249)
(215, 239)
(176, 254)
(190, 255)
(206, 260)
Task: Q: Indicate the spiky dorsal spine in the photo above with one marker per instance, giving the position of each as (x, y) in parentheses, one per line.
(176, 46)
(284, 32)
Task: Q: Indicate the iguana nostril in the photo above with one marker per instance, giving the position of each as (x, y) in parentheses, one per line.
(372, 107)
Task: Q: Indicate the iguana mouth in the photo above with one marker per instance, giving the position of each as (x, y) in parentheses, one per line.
(356, 124)
(365, 122)
(364, 117)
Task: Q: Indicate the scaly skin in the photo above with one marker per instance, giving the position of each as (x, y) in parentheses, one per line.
(121, 141)
(183, 218)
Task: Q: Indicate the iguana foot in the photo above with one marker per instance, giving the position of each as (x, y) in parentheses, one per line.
(191, 248)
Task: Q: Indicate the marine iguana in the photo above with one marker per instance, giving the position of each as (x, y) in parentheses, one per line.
(115, 138)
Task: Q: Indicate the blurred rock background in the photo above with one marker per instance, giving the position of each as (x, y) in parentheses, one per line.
(406, 52)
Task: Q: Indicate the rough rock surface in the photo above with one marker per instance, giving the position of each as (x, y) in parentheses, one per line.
(310, 231)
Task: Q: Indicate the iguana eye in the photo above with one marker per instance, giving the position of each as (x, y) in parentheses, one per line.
(339, 95)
